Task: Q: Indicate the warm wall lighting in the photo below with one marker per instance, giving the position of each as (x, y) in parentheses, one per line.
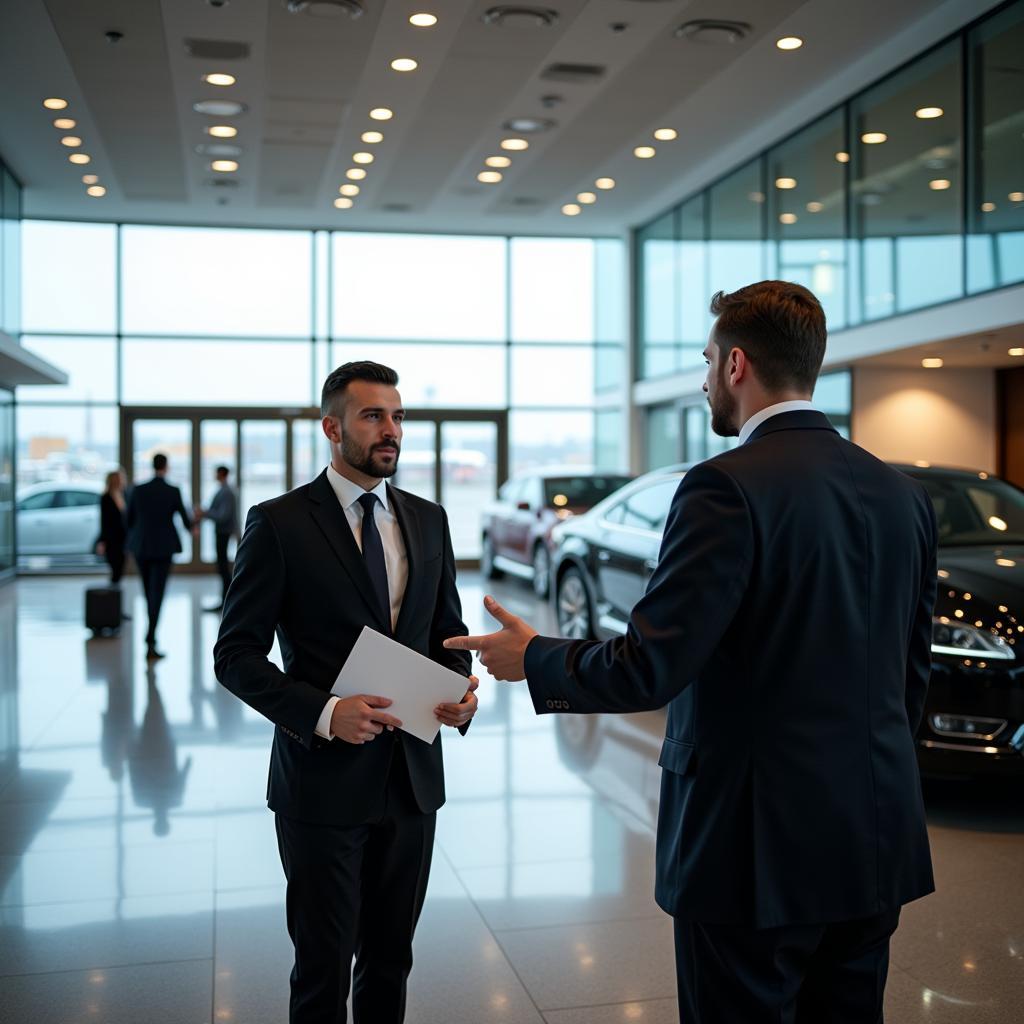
(341, 203)
(666, 134)
(219, 78)
(605, 183)
(349, 190)
(873, 138)
(65, 124)
(404, 64)
(785, 182)
(789, 43)
(79, 158)
(224, 166)
(515, 145)
(571, 210)
(586, 198)
(382, 114)
(221, 131)
(842, 158)
(498, 161)
(939, 184)
(931, 363)
(423, 20)
(355, 174)
(362, 158)
(489, 177)
(55, 103)
(644, 152)
(928, 113)
(96, 191)
(372, 138)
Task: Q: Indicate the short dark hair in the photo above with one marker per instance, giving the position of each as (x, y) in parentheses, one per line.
(159, 462)
(781, 328)
(339, 379)
(224, 470)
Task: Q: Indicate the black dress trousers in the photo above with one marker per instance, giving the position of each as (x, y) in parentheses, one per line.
(356, 892)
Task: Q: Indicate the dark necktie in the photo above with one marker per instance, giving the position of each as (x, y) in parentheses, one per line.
(373, 555)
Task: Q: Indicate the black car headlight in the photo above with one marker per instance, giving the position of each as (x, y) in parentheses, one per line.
(961, 640)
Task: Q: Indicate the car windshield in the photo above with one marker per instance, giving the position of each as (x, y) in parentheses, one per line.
(973, 510)
(580, 491)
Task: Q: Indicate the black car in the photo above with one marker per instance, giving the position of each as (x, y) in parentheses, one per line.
(974, 715)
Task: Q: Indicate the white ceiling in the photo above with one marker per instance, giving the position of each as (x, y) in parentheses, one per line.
(309, 83)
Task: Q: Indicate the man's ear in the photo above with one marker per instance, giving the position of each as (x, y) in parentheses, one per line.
(332, 428)
(738, 366)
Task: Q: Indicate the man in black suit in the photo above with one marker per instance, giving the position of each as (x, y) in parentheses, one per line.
(153, 539)
(355, 799)
(223, 513)
(787, 627)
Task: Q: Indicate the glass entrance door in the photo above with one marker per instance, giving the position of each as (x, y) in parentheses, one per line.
(173, 438)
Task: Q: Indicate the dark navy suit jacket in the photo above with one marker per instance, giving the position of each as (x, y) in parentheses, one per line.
(788, 629)
(150, 519)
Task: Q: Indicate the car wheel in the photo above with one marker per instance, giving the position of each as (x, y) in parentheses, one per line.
(487, 569)
(574, 607)
(541, 571)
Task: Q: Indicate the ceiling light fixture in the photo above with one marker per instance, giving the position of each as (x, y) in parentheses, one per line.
(96, 191)
(1016, 197)
(498, 161)
(928, 113)
(355, 174)
(71, 141)
(666, 134)
(787, 218)
(382, 114)
(90, 179)
(224, 166)
(372, 138)
(931, 363)
(218, 108)
(785, 182)
(79, 158)
(605, 183)
(756, 197)
(987, 207)
(1015, 352)
(571, 210)
(789, 43)
(362, 158)
(515, 145)
(939, 184)
(815, 207)
(342, 203)
(873, 138)
(423, 20)
(404, 64)
(644, 152)
(586, 198)
(489, 177)
(221, 131)
(65, 124)
(219, 78)
(842, 158)
(55, 103)
(349, 190)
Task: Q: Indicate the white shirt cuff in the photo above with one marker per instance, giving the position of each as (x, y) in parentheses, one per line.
(323, 725)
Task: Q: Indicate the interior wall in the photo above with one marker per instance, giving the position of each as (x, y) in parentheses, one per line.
(1011, 425)
(945, 417)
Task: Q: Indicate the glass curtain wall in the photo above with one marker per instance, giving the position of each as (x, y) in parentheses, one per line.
(10, 324)
(908, 195)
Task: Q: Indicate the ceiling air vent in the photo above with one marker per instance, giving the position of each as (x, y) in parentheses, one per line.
(578, 73)
(216, 49)
(325, 8)
(713, 31)
(509, 16)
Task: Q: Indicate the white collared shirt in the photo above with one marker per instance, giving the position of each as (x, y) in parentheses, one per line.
(798, 405)
(396, 560)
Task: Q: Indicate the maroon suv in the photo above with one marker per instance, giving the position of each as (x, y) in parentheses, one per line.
(517, 525)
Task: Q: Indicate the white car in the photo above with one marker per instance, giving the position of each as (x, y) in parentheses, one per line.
(59, 518)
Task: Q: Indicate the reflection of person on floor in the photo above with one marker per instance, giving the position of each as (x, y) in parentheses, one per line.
(157, 781)
(154, 540)
(118, 726)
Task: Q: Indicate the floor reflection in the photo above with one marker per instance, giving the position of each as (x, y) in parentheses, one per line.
(138, 865)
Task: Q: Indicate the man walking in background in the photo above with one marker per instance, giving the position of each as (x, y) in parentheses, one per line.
(223, 513)
(154, 540)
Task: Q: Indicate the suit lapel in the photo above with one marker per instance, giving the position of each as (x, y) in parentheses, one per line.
(330, 518)
(409, 524)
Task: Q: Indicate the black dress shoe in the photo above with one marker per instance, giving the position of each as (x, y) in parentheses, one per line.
(214, 608)
(152, 654)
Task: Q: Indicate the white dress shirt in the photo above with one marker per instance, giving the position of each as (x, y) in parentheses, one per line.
(395, 559)
(798, 405)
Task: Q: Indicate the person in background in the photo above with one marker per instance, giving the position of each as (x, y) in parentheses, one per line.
(111, 543)
(223, 513)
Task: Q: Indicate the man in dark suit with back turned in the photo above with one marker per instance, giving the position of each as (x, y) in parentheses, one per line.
(355, 798)
(787, 627)
(153, 539)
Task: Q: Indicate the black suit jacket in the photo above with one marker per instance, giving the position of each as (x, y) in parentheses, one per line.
(788, 628)
(150, 519)
(299, 572)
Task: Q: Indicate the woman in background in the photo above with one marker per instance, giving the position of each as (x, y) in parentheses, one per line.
(112, 528)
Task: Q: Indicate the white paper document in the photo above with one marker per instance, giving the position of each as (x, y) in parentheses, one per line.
(382, 667)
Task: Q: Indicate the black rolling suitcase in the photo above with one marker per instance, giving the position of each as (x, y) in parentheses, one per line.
(103, 609)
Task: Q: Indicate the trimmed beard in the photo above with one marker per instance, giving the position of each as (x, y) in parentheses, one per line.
(723, 409)
(364, 460)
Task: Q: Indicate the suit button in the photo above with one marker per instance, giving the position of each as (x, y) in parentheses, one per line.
(550, 703)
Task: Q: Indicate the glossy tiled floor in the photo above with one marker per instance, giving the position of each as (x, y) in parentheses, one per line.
(139, 878)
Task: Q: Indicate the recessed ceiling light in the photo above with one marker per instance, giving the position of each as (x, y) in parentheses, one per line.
(221, 131)
(787, 218)
(987, 207)
(90, 179)
(71, 141)
(372, 138)
(219, 78)
(349, 190)
(65, 124)
(489, 177)
(355, 174)
(571, 210)
(96, 191)
(785, 182)
(79, 158)
(927, 113)
(939, 184)
(54, 103)
(382, 114)
(644, 152)
(666, 134)
(815, 207)
(515, 145)
(404, 64)
(528, 125)
(1015, 352)
(586, 198)
(423, 20)
(931, 363)
(873, 138)
(498, 161)
(756, 197)
(224, 166)
(218, 108)
(789, 43)
(341, 203)
(842, 158)
(1016, 197)
(604, 183)
(362, 158)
